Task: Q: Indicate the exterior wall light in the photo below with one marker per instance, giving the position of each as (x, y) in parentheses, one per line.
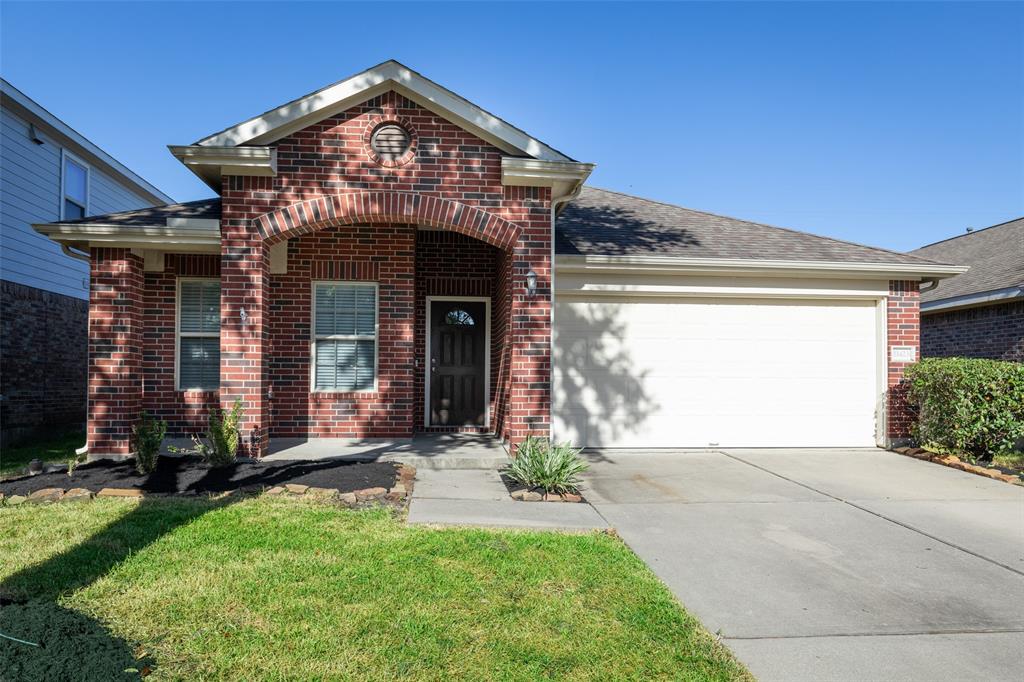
(243, 316)
(531, 283)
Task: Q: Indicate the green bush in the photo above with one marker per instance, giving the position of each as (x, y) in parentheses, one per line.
(222, 436)
(147, 437)
(967, 405)
(540, 464)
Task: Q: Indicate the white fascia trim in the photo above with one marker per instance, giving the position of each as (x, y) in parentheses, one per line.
(293, 116)
(193, 239)
(969, 300)
(627, 264)
(538, 173)
(212, 163)
(41, 115)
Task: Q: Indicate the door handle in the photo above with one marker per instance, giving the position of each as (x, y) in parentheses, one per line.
(433, 365)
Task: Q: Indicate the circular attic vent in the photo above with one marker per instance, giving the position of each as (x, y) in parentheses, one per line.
(390, 142)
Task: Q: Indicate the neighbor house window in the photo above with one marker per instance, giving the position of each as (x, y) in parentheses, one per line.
(199, 334)
(76, 189)
(344, 336)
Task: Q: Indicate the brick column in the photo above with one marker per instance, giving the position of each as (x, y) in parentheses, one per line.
(529, 409)
(115, 350)
(903, 308)
(244, 344)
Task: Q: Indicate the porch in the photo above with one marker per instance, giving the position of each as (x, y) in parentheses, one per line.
(424, 450)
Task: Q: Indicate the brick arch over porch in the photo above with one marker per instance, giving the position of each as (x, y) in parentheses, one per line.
(354, 208)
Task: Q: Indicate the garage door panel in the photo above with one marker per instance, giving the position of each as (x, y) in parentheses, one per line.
(692, 373)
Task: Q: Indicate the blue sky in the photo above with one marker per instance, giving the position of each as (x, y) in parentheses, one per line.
(888, 124)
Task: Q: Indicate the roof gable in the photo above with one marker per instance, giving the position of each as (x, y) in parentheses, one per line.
(298, 114)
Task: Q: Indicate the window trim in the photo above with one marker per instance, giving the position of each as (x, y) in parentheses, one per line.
(313, 337)
(178, 334)
(65, 156)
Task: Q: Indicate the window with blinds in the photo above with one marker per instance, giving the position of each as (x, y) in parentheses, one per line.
(199, 334)
(344, 336)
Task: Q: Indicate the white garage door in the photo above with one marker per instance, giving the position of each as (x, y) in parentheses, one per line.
(656, 372)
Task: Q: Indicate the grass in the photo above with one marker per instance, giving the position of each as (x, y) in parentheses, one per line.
(58, 449)
(267, 588)
(1010, 460)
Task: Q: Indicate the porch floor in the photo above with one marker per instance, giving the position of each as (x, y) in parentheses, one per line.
(424, 450)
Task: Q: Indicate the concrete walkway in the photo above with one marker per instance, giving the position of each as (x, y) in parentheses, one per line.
(424, 450)
(475, 497)
(830, 565)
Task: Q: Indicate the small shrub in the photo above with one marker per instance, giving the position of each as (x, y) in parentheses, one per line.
(967, 405)
(540, 464)
(147, 438)
(222, 436)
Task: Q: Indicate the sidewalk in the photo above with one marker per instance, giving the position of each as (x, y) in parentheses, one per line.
(476, 497)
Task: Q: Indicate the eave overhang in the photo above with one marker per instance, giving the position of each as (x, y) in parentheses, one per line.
(983, 298)
(561, 176)
(212, 163)
(736, 266)
(185, 235)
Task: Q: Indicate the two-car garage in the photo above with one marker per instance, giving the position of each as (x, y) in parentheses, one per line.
(666, 371)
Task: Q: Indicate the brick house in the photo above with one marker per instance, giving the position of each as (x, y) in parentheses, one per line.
(385, 258)
(979, 314)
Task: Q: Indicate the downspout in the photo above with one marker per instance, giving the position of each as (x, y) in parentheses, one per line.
(932, 281)
(74, 254)
(78, 255)
(555, 203)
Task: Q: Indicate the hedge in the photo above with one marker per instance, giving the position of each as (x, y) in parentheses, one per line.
(968, 405)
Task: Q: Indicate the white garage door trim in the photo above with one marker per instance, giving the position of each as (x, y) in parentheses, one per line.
(744, 294)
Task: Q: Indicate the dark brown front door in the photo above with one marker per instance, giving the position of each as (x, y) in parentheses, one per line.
(458, 338)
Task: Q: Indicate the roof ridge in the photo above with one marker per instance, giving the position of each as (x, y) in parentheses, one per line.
(773, 227)
(972, 232)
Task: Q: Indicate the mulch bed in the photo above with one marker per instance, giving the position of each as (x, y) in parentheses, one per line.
(190, 475)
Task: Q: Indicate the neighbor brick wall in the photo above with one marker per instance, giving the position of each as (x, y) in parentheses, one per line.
(43, 362)
(186, 412)
(992, 331)
(115, 349)
(903, 307)
(327, 177)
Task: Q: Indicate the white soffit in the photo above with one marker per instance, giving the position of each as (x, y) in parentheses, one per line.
(390, 75)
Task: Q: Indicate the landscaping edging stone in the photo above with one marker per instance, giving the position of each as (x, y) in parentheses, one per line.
(396, 496)
(537, 495)
(955, 462)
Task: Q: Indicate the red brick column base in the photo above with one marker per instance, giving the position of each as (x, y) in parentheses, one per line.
(903, 329)
(115, 350)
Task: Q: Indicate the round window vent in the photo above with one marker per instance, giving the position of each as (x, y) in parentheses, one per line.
(390, 142)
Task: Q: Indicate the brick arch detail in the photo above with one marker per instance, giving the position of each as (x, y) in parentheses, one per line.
(305, 217)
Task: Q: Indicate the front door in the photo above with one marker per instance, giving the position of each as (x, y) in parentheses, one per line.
(457, 357)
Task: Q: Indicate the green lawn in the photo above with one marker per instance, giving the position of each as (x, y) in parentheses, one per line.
(267, 588)
(58, 449)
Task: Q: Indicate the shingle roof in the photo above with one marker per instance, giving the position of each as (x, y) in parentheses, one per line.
(155, 216)
(604, 223)
(995, 254)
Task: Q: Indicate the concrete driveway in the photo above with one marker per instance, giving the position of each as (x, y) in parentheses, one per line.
(828, 564)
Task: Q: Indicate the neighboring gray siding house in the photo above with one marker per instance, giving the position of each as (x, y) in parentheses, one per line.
(979, 314)
(48, 172)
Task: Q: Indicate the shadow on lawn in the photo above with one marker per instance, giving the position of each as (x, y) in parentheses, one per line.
(74, 646)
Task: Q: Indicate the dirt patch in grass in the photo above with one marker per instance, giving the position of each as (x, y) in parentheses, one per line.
(190, 475)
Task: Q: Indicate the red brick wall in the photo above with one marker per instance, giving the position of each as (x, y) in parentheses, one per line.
(186, 412)
(452, 264)
(453, 182)
(903, 329)
(43, 362)
(378, 253)
(115, 350)
(993, 331)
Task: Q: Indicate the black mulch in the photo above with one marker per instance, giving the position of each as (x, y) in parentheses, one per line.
(186, 475)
